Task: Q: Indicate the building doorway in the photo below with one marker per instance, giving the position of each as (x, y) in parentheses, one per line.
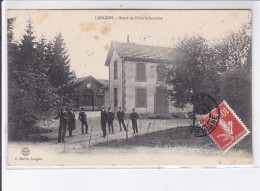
(89, 99)
(161, 105)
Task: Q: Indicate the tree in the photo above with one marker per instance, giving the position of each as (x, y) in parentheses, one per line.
(236, 90)
(59, 73)
(191, 66)
(191, 73)
(222, 70)
(235, 50)
(10, 27)
(22, 97)
(39, 79)
(46, 94)
(236, 80)
(30, 93)
(12, 75)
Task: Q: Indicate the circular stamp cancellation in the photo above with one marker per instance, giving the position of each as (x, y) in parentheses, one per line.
(204, 104)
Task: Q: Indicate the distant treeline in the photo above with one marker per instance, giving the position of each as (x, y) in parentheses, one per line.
(39, 79)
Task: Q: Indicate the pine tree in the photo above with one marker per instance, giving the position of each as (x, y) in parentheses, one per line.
(20, 91)
(39, 79)
(60, 75)
(30, 93)
(13, 76)
(45, 92)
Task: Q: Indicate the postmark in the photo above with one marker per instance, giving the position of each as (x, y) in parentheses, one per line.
(230, 129)
(203, 104)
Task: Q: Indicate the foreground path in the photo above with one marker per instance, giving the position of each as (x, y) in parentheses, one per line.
(79, 141)
(174, 146)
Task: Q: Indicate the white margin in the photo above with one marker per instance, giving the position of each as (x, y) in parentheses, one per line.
(193, 178)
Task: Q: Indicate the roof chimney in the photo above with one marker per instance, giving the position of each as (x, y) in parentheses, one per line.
(127, 38)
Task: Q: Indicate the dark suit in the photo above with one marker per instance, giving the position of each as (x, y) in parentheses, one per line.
(71, 122)
(104, 117)
(134, 116)
(62, 126)
(110, 120)
(120, 117)
(83, 120)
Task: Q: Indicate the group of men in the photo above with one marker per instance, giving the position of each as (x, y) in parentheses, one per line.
(67, 120)
(107, 117)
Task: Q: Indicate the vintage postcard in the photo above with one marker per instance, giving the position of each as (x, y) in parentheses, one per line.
(123, 88)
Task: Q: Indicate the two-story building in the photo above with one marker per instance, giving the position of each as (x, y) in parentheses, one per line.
(136, 78)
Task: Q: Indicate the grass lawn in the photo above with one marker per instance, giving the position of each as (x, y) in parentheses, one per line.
(175, 137)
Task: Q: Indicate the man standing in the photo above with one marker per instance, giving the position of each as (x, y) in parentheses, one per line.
(110, 120)
(62, 126)
(83, 120)
(104, 117)
(71, 122)
(134, 116)
(120, 117)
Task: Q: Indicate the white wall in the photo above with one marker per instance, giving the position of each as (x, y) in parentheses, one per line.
(131, 84)
(115, 83)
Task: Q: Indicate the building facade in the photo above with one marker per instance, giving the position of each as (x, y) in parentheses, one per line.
(136, 78)
(90, 93)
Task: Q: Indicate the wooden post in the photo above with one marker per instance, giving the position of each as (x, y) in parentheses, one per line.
(149, 126)
(126, 132)
(90, 136)
(153, 125)
(107, 137)
(140, 127)
(166, 123)
(193, 116)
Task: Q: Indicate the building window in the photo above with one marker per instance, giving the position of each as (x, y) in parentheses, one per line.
(115, 70)
(140, 97)
(115, 97)
(140, 72)
(161, 70)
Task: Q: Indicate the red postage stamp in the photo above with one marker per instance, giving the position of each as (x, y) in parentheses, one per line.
(230, 129)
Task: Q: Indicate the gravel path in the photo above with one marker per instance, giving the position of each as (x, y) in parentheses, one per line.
(78, 140)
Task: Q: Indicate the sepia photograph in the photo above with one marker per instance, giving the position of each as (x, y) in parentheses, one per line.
(124, 88)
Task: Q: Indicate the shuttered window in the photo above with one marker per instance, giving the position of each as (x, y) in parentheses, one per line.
(115, 97)
(140, 72)
(161, 72)
(115, 70)
(140, 97)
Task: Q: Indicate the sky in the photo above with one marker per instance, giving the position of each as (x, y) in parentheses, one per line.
(88, 39)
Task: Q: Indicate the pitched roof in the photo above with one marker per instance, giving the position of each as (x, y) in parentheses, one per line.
(104, 82)
(79, 80)
(131, 51)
